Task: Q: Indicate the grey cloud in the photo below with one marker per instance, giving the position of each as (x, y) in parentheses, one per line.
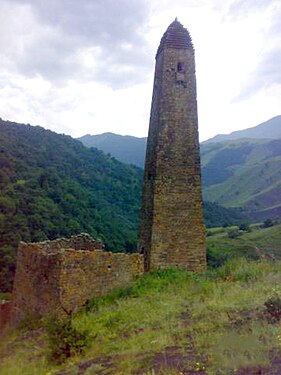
(241, 7)
(69, 26)
(267, 74)
(52, 58)
(267, 71)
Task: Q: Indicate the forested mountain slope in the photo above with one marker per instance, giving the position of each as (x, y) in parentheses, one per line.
(52, 186)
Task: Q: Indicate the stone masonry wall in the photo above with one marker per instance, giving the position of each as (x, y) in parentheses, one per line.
(58, 277)
(172, 232)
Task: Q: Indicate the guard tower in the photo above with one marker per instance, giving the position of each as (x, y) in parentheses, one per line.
(172, 233)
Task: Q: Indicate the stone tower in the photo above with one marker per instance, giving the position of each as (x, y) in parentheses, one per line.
(171, 231)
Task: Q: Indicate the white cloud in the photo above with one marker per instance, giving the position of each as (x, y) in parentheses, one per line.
(87, 67)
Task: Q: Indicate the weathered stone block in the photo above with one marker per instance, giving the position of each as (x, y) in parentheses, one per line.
(60, 276)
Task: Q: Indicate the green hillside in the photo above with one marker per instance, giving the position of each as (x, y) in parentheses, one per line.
(52, 186)
(169, 322)
(255, 243)
(244, 174)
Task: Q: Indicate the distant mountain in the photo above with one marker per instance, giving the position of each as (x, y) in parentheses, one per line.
(270, 129)
(241, 169)
(244, 173)
(131, 150)
(128, 149)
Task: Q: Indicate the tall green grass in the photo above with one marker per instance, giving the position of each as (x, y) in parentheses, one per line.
(204, 317)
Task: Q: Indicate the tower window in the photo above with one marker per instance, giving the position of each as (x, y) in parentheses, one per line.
(180, 67)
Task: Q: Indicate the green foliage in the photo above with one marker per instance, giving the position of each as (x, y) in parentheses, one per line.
(228, 243)
(233, 234)
(52, 186)
(64, 340)
(216, 215)
(273, 308)
(267, 223)
(245, 227)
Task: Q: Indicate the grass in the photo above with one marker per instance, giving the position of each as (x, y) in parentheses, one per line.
(258, 243)
(168, 322)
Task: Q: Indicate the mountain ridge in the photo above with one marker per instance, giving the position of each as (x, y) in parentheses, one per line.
(127, 149)
(131, 150)
(270, 129)
(226, 167)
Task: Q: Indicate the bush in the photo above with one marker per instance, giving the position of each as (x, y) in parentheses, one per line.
(245, 227)
(216, 258)
(267, 223)
(64, 340)
(233, 234)
(273, 309)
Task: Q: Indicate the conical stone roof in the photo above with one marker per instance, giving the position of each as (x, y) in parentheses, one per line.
(176, 36)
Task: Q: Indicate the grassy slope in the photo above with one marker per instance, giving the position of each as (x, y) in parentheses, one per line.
(259, 243)
(243, 173)
(173, 321)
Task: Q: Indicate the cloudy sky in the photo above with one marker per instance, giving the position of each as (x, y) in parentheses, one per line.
(86, 66)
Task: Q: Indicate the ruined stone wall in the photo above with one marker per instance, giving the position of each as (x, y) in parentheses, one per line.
(58, 277)
(85, 274)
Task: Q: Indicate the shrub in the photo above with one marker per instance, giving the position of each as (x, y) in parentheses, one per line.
(273, 309)
(233, 234)
(267, 223)
(245, 227)
(64, 340)
(216, 258)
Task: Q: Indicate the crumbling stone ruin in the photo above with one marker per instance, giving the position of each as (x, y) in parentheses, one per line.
(172, 232)
(60, 276)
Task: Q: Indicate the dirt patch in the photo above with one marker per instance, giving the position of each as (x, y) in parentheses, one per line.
(184, 360)
(99, 366)
(273, 369)
(241, 318)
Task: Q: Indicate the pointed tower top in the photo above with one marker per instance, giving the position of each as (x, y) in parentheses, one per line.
(176, 36)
